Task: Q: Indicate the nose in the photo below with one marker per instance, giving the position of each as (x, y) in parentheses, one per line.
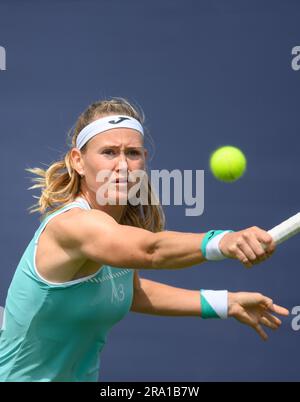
(122, 165)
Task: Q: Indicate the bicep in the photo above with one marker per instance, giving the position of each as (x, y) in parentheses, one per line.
(98, 237)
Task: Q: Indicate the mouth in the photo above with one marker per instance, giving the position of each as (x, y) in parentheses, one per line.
(120, 181)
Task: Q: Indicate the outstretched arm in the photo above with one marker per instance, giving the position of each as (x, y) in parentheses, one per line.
(252, 309)
(159, 299)
(96, 236)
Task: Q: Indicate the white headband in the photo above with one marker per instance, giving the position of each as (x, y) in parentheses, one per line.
(104, 124)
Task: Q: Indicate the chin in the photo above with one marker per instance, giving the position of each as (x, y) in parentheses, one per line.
(118, 198)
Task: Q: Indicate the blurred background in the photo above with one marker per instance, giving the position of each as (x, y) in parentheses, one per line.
(206, 73)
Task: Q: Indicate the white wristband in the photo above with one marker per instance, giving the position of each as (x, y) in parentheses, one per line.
(213, 252)
(214, 304)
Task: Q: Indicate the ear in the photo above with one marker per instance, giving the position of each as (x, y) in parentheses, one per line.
(77, 161)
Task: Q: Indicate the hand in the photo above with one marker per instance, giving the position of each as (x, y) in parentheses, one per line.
(255, 310)
(250, 246)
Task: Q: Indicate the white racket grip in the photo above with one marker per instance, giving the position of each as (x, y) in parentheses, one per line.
(286, 229)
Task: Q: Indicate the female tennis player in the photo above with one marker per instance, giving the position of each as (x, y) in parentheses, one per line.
(79, 274)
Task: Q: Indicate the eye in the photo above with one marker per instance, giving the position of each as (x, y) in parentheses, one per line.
(109, 151)
(134, 152)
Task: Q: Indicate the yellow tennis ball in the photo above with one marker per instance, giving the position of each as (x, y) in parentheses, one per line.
(228, 163)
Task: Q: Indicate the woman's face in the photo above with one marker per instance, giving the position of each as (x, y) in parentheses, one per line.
(112, 155)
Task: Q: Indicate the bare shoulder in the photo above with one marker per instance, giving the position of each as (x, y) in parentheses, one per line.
(57, 259)
(72, 227)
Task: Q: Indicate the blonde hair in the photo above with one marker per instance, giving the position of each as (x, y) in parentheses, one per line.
(60, 183)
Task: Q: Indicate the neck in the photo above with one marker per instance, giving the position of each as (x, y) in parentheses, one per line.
(115, 211)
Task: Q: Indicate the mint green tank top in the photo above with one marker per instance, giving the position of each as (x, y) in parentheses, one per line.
(56, 332)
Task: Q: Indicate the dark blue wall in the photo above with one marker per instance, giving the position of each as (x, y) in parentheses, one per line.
(206, 73)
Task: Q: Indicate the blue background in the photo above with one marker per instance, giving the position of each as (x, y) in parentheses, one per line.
(206, 73)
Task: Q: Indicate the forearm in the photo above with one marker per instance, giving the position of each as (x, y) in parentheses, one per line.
(159, 299)
(179, 250)
(252, 309)
(176, 250)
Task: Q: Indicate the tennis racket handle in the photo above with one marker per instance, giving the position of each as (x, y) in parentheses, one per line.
(286, 229)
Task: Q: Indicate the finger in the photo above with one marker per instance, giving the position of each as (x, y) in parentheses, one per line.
(246, 250)
(269, 248)
(261, 332)
(257, 248)
(273, 319)
(268, 323)
(242, 258)
(266, 239)
(266, 302)
(279, 310)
